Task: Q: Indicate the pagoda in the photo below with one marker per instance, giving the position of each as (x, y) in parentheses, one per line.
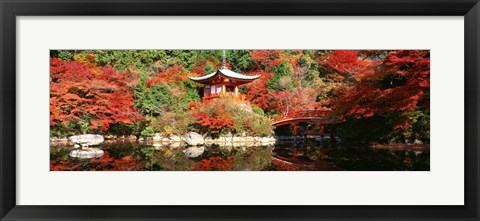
(223, 82)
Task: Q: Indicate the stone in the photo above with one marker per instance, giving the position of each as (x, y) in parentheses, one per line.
(257, 139)
(175, 138)
(86, 153)
(209, 140)
(110, 137)
(249, 139)
(237, 139)
(194, 139)
(87, 139)
(142, 138)
(193, 152)
(84, 146)
(157, 145)
(76, 146)
(417, 141)
(265, 140)
(157, 137)
(165, 140)
(175, 145)
(59, 139)
(226, 138)
(132, 137)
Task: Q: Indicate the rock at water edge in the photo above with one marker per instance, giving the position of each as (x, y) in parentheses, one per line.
(194, 139)
(87, 139)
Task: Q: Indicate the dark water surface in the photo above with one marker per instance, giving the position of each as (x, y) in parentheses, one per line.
(300, 155)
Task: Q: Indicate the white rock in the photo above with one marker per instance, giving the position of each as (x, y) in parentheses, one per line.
(157, 137)
(175, 145)
(194, 139)
(265, 140)
(209, 140)
(86, 153)
(88, 139)
(175, 139)
(237, 139)
(157, 145)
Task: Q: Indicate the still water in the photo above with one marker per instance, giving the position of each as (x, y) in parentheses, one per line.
(300, 155)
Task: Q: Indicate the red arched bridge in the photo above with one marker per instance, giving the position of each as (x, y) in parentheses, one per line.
(321, 117)
(317, 116)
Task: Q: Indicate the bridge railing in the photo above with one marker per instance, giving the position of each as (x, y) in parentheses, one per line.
(305, 113)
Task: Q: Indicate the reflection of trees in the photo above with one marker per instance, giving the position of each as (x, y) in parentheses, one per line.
(173, 159)
(252, 158)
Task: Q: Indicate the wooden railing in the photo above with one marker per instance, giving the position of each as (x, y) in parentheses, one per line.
(327, 115)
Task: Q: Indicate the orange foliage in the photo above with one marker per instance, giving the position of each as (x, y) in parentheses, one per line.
(107, 163)
(76, 90)
(401, 83)
(215, 163)
(174, 74)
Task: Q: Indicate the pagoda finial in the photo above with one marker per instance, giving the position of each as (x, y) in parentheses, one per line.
(224, 62)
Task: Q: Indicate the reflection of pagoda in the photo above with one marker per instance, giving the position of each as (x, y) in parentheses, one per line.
(223, 82)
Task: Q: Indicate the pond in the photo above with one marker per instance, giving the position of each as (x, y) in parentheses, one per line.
(283, 156)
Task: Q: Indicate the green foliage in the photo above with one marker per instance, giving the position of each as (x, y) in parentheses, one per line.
(172, 123)
(84, 124)
(147, 132)
(258, 111)
(122, 129)
(419, 121)
(209, 69)
(240, 60)
(282, 78)
(66, 55)
(62, 130)
(155, 100)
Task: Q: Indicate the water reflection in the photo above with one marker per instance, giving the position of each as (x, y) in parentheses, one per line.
(296, 155)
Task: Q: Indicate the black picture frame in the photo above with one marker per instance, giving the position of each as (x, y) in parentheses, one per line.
(10, 9)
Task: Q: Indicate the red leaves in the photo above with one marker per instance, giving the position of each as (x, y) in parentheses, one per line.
(64, 166)
(342, 60)
(107, 163)
(401, 83)
(175, 74)
(257, 90)
(90, 56)
(267, 59)
(295, 100)
(215, 163)
(214, 122)
(77, 90)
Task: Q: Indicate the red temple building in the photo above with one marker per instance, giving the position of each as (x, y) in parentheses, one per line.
(223, 82)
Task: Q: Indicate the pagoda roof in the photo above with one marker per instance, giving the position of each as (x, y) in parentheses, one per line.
(226, 73)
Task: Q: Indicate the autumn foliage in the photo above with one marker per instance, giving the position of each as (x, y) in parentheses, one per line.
(99, 96)
(152, 90)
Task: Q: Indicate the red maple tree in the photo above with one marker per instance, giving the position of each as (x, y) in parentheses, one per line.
(81, 91)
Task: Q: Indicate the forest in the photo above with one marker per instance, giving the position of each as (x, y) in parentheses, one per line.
(382, 95)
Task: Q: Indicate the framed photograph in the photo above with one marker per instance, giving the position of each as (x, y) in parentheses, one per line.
(239, 110)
